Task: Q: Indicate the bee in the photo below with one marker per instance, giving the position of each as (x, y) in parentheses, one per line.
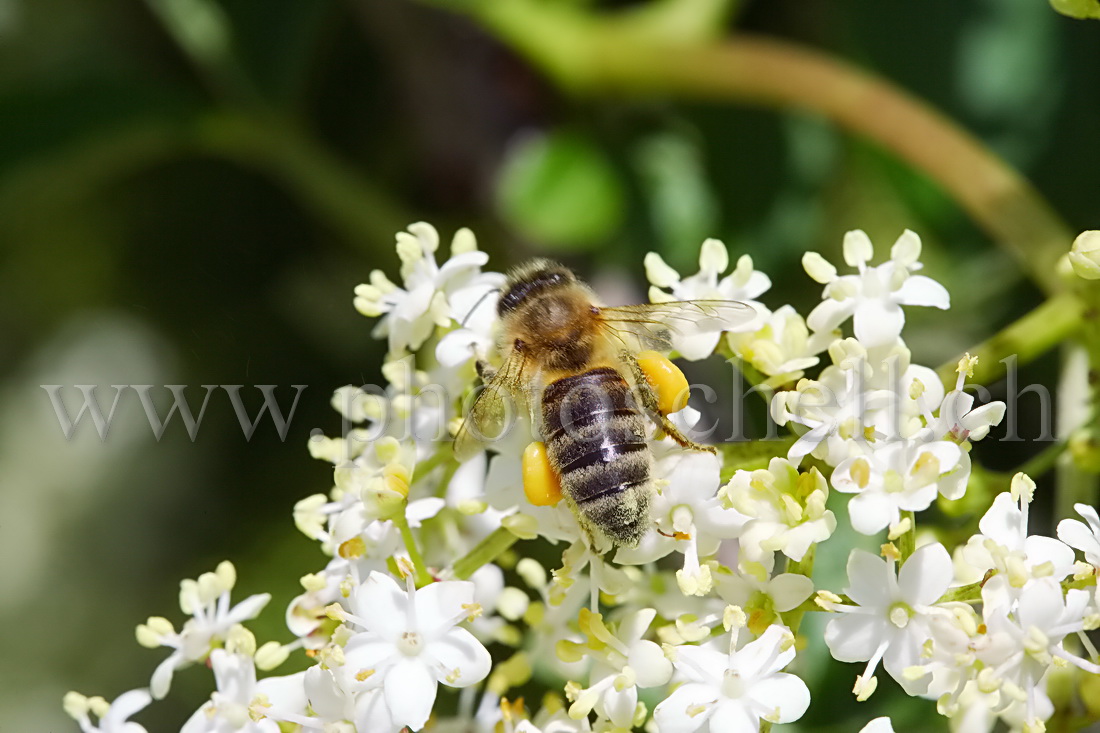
(588, 375)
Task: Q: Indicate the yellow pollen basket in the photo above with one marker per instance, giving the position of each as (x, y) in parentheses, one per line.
(667, 381)
(540, 481)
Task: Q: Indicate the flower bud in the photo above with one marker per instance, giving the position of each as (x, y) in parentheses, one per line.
(1085, 255)
(271, 655)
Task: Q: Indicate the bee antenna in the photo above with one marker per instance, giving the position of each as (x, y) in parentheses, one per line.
(477, 305)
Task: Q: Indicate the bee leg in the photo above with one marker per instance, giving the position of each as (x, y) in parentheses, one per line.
(657, 370)
(485, 370)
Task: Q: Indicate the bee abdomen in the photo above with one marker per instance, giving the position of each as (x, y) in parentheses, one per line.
(596, 442)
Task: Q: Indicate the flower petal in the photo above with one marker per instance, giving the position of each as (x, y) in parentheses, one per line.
(369, 651)
(732, 715)
(787, 590)
(459, 659)
(926, 575)
(872, 511)
(162, 675)
(783, 692)
(383, 604)
(870, 579)
(125, 705)
(372, 714)
(921, 290)
(247, 609)
(854, 637)
(761, 656)
(829, 314)
(878, 322)
(1077, 534)
(649, 663)
(673, 714)
(440, 605)
(410, 689)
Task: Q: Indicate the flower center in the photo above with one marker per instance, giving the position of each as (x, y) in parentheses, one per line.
(733, 686)
(410, 643)
(899, 614)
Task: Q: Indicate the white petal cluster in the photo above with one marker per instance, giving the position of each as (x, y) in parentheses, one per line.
(742, 284)
(426, 565)
(873, 297)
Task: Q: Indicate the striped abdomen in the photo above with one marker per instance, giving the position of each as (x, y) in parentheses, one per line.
(595, 438)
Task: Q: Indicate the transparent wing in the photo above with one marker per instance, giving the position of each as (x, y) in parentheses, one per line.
(496, 405)
(653, 326)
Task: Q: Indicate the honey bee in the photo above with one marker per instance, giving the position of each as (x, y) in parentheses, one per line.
(588, 374)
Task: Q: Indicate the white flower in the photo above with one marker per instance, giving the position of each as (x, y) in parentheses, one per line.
(762, 595)
(1030, 634)
(785, 509)
(957, 418)
(837, 408)
(243, 704)
(412, 642)
(113, 717)
(743, 284)
(734, 692)
(475, 311)
(207, 600)
(783, 346)
(895, 477)
(1084, 538)
(878, 725)
(337, 695)
(412, 313)
(1005, 546)
(689, 516)
(874, 297)
(890, 622)
(624, 661)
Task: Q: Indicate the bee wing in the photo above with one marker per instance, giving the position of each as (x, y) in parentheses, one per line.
(489, 414)
(653, 326)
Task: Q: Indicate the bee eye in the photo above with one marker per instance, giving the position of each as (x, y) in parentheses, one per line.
(518, 344)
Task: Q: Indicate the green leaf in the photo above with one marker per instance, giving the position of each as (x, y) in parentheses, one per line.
(1077, 8)
(560, 190)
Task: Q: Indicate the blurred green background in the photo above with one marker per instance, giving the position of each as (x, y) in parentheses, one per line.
(190, 190)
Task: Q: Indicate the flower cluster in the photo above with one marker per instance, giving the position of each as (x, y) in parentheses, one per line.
(429, 610)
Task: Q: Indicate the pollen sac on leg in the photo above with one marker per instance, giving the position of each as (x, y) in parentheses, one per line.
(540, 481)
(667, 381)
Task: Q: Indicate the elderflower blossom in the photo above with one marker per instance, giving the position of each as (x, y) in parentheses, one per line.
(112, 717)
(889, 622)
(207, 601)
(735, 690)
(424, 562)
(622, 662)
(411, 313)
(873, 298)
(411, 642)
(744, 284)
(784, 510)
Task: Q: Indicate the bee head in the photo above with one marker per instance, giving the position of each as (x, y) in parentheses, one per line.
(534, 278)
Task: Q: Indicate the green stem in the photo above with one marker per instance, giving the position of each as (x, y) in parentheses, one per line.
(335, 192)
(752, 454)
(1041, 463)
(423, 577)
(805, 566)
(489, 549)
(907, 543)
(594, 54)
(1025, 339)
